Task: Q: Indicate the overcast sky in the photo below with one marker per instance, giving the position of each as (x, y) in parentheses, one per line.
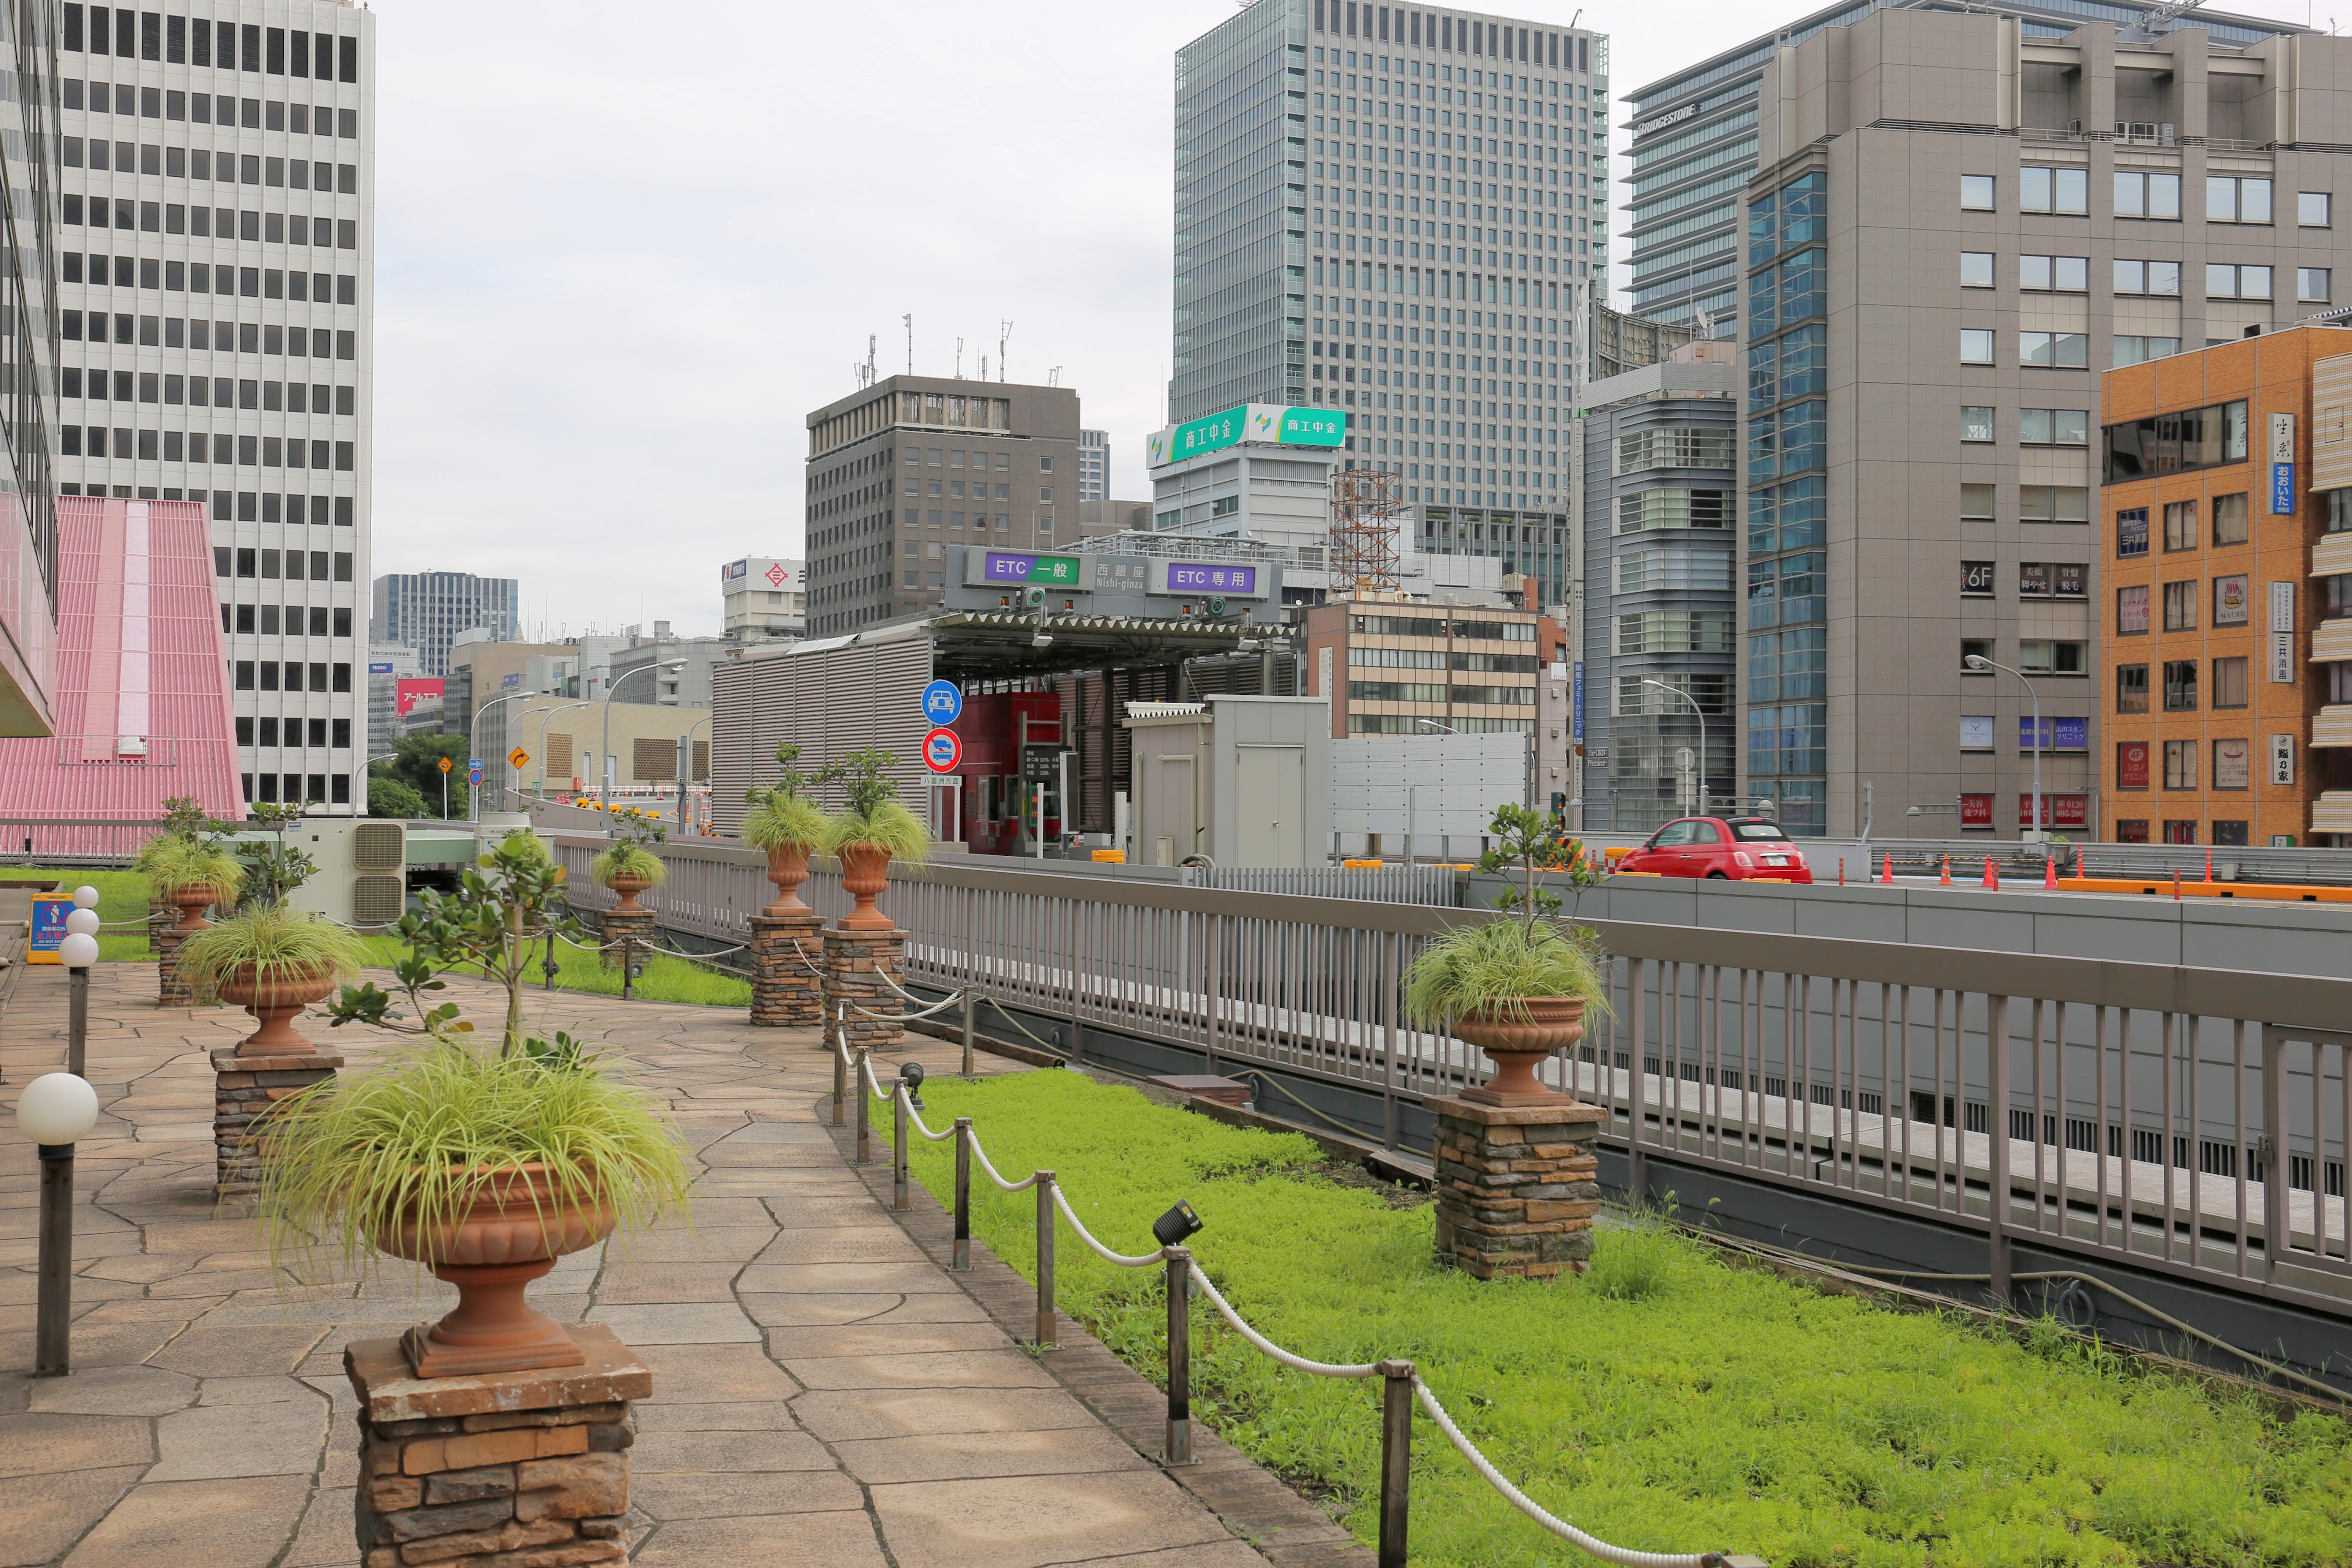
(623, 251)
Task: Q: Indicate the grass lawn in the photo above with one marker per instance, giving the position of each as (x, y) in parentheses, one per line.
(665, 979)
(1664, 1402)
(122, 896)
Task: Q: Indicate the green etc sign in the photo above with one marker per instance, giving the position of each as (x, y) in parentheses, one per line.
(1267, 422)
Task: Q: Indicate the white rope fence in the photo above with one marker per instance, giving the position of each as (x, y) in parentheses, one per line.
(1403, 1383)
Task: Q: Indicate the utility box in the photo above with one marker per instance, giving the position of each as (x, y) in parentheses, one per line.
(1242, 781)
(362, 876)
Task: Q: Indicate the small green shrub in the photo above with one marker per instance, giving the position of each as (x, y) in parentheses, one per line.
(626, 857)
(782, 821)
(277, 942)
(177, 863)
(887, 826)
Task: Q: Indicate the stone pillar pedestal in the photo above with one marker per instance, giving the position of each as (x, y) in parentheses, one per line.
(530, 1469)
(787, 953)
(851, 960)
(618, 924)
(171, 990)
(1518, 1186)
(243, 1088)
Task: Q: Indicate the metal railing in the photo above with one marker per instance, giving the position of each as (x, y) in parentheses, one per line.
(1401, 1384)
(2186, 1120)
(74, 840)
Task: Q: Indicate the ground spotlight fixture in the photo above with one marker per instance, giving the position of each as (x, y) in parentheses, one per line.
(910, 1077)
(1172, 1229)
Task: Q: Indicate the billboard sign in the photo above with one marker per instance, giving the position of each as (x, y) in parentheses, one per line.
(407, 694)
(2058, 734)
(1272, 423)
(1976, 811)
(2282, 465)
(379, 667)
(2131, 764)
(1188, 577)
(2059, 811)
(735, 569)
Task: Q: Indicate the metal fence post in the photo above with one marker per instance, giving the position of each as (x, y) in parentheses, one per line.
(864, 1109)
(964, 1192)
(1180, 1355)
(628, 968)
(53, 1311)
(77, 1020)
(1048, 1323)
(967, 1031)
(2277, 1173)
(899, 1114)
(1396, 1459)
(840, 1080)
(1997, 1199)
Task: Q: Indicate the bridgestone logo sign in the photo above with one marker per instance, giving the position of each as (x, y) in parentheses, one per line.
(1663, 121)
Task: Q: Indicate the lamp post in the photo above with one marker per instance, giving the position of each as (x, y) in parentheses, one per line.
(56, 1110)
(473, 739)
(2032, 835)
(1702, 735)
(686, 765)
(77, 951)
(544, 715)
(1412, 801)
(604, 756)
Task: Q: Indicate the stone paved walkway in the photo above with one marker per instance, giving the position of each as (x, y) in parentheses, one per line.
(824, 1394)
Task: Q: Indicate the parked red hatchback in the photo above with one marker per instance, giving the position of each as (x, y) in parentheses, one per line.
(1739, 848)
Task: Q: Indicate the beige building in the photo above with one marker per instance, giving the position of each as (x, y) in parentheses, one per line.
(567, 743)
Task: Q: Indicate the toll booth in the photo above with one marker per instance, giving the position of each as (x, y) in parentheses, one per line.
(1012, 750)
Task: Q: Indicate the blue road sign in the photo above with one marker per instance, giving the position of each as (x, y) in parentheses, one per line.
(942, 702)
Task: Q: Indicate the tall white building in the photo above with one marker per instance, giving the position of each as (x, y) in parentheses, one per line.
(216, 299)
(764, 596)
(430, 610)
(1094, 465)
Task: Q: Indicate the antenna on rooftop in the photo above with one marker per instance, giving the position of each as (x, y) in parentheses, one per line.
(984, 367)
(909, 319)
(958, 374)
(1003, 336)
(1054, 377)
(866, 371)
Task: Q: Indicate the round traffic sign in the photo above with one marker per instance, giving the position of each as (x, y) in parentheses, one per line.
(942, 750)
(942, 702)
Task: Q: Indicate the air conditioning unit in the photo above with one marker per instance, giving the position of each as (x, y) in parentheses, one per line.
(362, 876)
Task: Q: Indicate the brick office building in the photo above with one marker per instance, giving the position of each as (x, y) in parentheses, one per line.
(2228, 546)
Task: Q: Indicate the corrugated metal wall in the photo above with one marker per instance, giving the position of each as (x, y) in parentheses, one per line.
(829, 701)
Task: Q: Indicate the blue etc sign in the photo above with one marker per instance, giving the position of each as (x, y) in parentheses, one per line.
(942, 702)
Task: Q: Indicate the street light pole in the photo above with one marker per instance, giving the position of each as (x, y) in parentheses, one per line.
(544, 715)
(686, 766)
(2032, 835)
(612, 684)
(1695, 709)
(473, 742)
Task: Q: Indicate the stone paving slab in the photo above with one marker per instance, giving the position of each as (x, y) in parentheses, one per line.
(825, 1393)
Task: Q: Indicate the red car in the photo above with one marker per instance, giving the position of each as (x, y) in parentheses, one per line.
(1741, 849)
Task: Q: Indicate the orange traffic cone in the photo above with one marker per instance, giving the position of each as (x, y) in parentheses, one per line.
(1889, 875)
(2049, 873)
(1945, 879)
(2209, 865)
(1990, 880)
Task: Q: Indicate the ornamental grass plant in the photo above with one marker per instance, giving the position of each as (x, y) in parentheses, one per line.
(1667, 1401)
(174, 865)
(628, 858)
(788, 817)
(426, 1134)
(280, 943)
(1499, 966)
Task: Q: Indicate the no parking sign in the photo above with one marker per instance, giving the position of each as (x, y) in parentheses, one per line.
(942, 750)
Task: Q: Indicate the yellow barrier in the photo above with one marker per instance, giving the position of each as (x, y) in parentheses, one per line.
(2278, 892)
(1361, 865)
(1110, 857)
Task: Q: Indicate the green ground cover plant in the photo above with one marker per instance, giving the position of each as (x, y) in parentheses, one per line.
(1666, 1401)
(665, 979)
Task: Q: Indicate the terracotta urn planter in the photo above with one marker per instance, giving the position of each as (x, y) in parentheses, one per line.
(192, 903)
(787, 869)
(519, 1225)
(864, 872)
(275, 1001)
(1517, 1043)
(629, 888)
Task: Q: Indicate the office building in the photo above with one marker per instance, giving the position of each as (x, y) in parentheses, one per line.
(900, 470)
(679, 669)
(1693, 145)
(1660, 600)
(389, 664)
(216, 285)
(1444, 181)
(1094, 466)
(1947, 240)
(29, 349)
(762, 597)
(429, 610)
(2226, 522)
(1393, 667)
